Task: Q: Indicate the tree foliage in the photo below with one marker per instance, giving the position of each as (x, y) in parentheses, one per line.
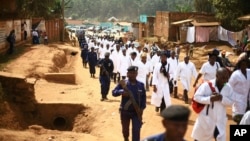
(227, 11)
(40, 8)
(124, 9)
(204, 6)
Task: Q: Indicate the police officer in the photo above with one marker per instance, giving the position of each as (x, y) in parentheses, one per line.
(106, 69)
(131, 90)
(175, 121)
(92, 59)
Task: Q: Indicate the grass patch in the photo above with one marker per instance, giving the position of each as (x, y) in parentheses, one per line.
(18, 51)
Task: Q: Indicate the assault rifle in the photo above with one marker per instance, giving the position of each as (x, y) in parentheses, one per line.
(103, 70)
(130, 94)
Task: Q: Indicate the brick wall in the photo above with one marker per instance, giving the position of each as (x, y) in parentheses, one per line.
(163, 22)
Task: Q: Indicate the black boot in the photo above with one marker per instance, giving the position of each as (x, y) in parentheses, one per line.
(176, 92)
(185, 95)
(114, 77)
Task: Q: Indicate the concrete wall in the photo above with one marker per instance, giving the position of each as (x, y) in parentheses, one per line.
(7, 26)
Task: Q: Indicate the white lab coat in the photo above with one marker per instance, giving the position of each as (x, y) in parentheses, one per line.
(185, 73)
(115, 57)
(209, 71)
(216, 117)
(245, 119)
(124, 64)
(161, 83)
(143, 71)
(155, 60)
(174, 64)
(241, 86)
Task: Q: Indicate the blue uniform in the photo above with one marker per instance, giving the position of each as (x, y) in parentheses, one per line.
(106, 70)
(159, 137)
(127, 111)
(84, 55)
(92, 59)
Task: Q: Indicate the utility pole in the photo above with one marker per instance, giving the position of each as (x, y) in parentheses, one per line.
(63, 20)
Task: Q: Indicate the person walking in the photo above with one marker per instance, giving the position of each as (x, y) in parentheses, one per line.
(208, 69)
(115, 57)
(84, 54)
(106, 70)
(92, 60)
(173, 63)
(124, 64)
(144, 70)
(161, 95)
(185, 71)
(212, 120)
(175, 121)
(133, 103)
(240, 82)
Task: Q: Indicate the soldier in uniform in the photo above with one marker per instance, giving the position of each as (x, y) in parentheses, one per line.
(133, 102)
(106, 69)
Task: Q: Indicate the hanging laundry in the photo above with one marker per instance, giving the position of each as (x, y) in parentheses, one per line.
(222, 34)
(202, 34)
(191, 34)
(213, 33)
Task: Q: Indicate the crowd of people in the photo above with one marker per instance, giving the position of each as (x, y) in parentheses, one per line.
(134, 67)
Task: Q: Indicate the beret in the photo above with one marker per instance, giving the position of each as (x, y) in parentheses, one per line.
(132, 68)
(176, 113)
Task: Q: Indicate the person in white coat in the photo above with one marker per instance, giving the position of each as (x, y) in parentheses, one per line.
(154, 60)
(143, 69)
(185, 71)
(174, 63)
(245, 119)
(209, 124)
(240, 82)
(208, 69)
(115, 57)
(161, 96)
(124, 63)
(132, 59)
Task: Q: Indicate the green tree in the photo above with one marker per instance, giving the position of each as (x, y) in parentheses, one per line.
(203, 6)
(227, 11)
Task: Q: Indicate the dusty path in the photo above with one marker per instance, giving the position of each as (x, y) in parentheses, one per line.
(103, 122)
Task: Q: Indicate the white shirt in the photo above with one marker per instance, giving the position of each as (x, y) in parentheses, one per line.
(208, 71)
(143, 71)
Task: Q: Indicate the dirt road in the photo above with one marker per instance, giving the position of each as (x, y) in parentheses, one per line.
(101, 121)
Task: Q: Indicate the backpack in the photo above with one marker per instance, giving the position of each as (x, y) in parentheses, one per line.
(196, 106)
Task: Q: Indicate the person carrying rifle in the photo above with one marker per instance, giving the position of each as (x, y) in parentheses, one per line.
(133, 103)
(106, 69)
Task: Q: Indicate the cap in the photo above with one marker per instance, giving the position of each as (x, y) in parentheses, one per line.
(216, 51)
(210, 54)
(176, 113)
(132, 68)
(107, 54)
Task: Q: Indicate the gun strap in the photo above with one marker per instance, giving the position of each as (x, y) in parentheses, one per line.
(127, 104)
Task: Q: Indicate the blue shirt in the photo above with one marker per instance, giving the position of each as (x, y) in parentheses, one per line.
(138, 91)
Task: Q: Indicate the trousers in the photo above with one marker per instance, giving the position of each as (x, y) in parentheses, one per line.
(126, 117)
(105, 85)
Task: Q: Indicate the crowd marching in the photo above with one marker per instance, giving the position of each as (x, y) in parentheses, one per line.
(135, 68)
